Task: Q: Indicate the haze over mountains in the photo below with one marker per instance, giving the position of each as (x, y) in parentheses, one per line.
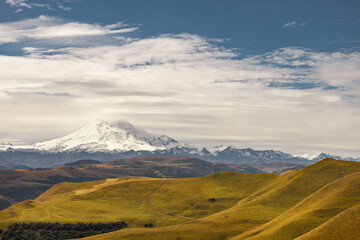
(101, 140)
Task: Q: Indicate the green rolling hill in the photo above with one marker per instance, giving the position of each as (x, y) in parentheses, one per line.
(300, 204)
(343, 226)
(316, 209)
(21, 185)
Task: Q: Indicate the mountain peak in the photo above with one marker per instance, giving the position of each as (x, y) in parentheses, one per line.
(5, 146)
(99, 123)
(102, 136)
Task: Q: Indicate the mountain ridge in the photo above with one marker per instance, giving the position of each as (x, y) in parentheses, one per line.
(103, 141)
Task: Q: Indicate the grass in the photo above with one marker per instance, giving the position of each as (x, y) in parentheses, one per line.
(343, 226)
(269, 201)
(136, 200)
(311, 212)
(218, 206)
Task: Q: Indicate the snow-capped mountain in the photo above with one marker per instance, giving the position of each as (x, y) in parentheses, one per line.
(5, 146)
(101, 140)
(247, 155)
(215, 150)
(310, 156)
(320, 156)
(101, 136)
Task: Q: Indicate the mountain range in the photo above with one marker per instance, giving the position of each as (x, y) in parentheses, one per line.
(103, 141)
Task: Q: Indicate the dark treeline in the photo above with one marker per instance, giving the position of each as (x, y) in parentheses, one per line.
(57, 231)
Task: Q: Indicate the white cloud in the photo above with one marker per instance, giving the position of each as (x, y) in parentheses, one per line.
(18, 3)
(45, 27)
(18, 10)
(290, 24)
(124, 30)
(295, 23)
(41, 5)
(183, 86)
(64, 8)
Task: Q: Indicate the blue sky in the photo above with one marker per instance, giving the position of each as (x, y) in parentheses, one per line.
(263, 74)
(254, 26)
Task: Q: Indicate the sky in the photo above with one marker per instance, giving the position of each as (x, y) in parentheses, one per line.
(281, 75)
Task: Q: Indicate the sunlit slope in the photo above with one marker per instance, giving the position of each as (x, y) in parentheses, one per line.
(344, 226)
(280, 195)
(311, 212)
(137, 200)
(21, 185)
(218, 206)
(261, 206)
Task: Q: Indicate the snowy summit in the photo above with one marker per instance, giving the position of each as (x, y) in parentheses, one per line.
(101, 136)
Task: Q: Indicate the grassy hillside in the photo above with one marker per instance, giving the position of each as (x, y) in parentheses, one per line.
(344, 226)
(22, 185)
(218, 206)
(261, 206)
(311, 212)
(137, 200)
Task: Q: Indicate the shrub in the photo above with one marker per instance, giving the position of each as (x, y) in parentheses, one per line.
(57, 231)
(148, 225)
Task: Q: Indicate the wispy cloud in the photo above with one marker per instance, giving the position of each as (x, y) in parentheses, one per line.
(18, 3)
(41, 5)
(18, 10)
(45, 27)
(21, 4)
(190, 86)
(64, 8)
(295, 23)
(290, 24)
